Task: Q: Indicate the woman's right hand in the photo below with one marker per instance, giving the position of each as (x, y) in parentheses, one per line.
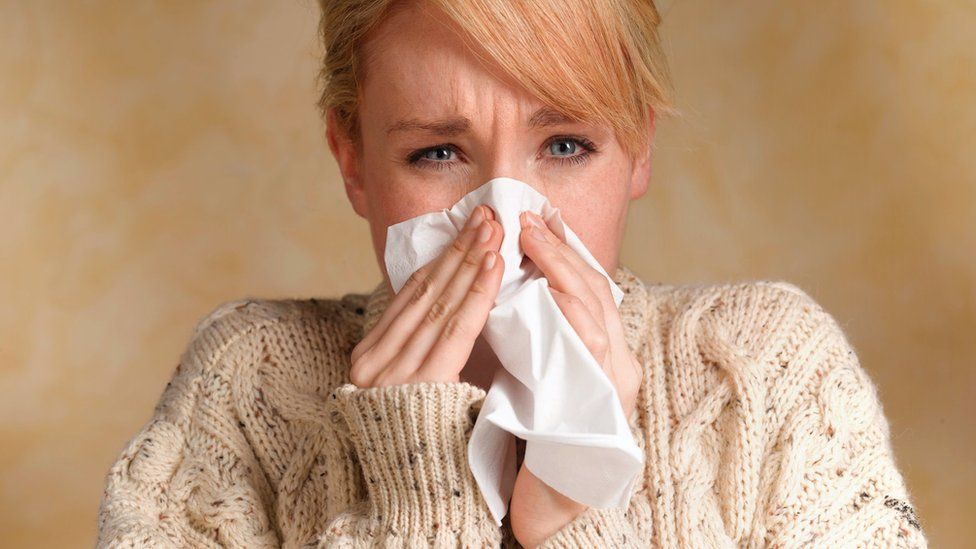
(429, 329)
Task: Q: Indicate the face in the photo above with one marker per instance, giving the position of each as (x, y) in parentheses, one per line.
(436, 123)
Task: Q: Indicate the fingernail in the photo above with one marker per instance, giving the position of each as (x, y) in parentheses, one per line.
(489, 260)
(484, 233)
(536, 233)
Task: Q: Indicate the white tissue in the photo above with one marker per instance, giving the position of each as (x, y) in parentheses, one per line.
(551, 391)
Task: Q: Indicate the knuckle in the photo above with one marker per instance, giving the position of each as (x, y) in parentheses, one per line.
(424, 286)
(599, 341)
(596, 279)
(472, 259)
(357, 377)
(459, 246)
(412, 378)
(359, 355)
(393, 373)
(454, 329)
(362, 364)
(357, 351)
(478, 288)
(438, 311)
(381, 379)
(416, 276)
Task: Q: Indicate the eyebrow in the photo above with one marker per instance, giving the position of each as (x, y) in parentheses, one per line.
(456, 125)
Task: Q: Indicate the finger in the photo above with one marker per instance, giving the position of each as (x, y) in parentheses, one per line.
(596, 280)
(454, 343)
(586, 326)
(419, 283)
(540, 246)
(420, 342)
(413, 301)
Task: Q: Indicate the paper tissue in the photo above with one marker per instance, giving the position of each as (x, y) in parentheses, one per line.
(550, 391)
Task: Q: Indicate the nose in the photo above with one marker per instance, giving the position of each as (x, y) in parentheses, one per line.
(503, 162)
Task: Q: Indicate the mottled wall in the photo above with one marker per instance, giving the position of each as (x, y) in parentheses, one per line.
(159, 158)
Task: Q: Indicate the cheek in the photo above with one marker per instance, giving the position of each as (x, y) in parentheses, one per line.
(394, 202)
(594, 210)
(591, 203)
(394, 197)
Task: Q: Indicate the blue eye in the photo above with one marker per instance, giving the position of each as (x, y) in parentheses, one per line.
(571, 150)
(437, 154)
(563, 147)
(562, 150)
(439, 157)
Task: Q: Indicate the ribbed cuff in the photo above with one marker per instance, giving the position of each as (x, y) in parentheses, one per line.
(411, 440)
(594, 528)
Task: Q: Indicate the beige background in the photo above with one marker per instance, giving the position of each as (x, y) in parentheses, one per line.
(157, 159)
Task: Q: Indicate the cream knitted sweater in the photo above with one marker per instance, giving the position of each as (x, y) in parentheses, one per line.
(758, 424)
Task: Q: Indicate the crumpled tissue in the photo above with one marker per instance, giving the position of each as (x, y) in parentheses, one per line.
(550, 391)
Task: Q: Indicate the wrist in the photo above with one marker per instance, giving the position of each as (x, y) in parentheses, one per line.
(411, 444)
(539, 511)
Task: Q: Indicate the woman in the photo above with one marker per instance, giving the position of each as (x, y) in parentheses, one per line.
(344, 422)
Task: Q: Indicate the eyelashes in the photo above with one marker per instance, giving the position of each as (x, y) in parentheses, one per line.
(418, 158)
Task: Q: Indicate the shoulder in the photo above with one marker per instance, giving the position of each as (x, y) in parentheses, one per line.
(328, 324)
(785, 361)
(252, 340)
(237, 321)
(768, 333)
(758, 374)
(250, 368)
(731, 296)
(752, 314)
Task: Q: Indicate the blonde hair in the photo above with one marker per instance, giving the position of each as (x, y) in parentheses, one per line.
(595, 61)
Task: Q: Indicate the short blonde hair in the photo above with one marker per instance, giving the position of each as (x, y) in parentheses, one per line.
(596, 61)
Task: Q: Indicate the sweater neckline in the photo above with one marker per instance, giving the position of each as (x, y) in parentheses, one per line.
(633, 306)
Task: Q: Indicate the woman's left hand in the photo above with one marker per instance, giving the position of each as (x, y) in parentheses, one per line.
(583, 295)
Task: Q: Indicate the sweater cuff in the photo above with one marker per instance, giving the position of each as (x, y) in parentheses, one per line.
(594, 528)
(412, 444)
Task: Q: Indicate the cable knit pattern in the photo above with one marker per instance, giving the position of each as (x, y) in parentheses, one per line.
(759, 426)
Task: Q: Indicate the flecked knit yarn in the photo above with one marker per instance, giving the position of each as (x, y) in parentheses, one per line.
(760, 429)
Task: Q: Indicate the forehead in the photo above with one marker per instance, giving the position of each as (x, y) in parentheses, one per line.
(416, 60)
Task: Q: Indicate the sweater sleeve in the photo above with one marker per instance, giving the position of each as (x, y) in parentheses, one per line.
(836, 481)
(411, 442)
(188, 478)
